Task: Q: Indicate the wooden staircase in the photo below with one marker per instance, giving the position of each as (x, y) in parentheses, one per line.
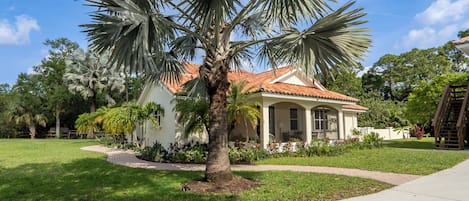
(451, 119)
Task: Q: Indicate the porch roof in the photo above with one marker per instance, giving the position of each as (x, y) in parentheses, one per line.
(461, 41)
(262, 82)
(354, 107)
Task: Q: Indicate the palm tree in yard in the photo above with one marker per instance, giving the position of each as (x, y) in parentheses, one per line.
(154, 37)
(89, 74)
(241, 110)
(23, 115)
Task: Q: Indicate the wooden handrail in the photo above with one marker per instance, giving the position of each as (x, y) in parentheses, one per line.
(442, 106)
(462, 112)
(462, 117)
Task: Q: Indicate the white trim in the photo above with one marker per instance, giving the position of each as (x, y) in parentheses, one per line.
(144, 93)
(304, 98)
(318, 85)
(353, 110)
(283, 76)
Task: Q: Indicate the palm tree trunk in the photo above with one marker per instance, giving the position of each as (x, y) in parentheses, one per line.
(32, 131)
(92, 109)
(93, 103)
(218, 163)
(247, 130)
(57, 121)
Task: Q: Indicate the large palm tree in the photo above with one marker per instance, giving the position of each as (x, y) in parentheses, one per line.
(153, 37)
(89, 74)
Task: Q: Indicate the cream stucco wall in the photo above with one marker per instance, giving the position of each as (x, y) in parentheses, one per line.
(293, 80)
(350, 123)
(169, 131)
(164, 133)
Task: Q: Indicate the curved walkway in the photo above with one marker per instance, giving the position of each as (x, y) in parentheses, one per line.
(127, 158)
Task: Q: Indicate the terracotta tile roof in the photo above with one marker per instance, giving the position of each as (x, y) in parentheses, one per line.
(261, 83)
(354, 107)
(461, 40)
(291, 89)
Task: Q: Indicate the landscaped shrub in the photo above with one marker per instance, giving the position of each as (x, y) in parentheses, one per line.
(418, 131)
(247, 153)
(372, 140)
(188, 153)
(155, 153)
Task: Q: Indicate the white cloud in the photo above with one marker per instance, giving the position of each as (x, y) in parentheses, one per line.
(443, 11)
(428, 37)
(17, 34)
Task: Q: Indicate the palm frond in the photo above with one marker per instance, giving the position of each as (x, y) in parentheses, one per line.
(331, 40)
(209, 14)
(136, 33)
(287, 12)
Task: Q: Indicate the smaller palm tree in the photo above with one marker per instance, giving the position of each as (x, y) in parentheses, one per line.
(192, 114)
(241, 110)
(194, 109)
(20, 115)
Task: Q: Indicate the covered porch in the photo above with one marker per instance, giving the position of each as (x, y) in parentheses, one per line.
(289, 120)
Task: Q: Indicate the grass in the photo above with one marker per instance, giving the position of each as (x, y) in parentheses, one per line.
(59, 170)
(419, 162)
(413, 143)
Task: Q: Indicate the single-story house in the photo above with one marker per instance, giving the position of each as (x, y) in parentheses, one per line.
(294, 107)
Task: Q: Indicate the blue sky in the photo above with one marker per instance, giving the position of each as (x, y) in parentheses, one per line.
(397, 26)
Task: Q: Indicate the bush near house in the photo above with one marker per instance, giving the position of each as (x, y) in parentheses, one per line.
(246, 153)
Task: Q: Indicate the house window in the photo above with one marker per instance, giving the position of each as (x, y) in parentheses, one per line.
(157, 116)
(320, 120)
(271, 119)
(293, 119)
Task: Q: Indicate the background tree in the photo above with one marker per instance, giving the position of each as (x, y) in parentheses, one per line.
(7, 128)
(403, 72)
(27, 107)
(51, 72)
(345, 80)
(424, 99)
(140, 33)
(89, 74)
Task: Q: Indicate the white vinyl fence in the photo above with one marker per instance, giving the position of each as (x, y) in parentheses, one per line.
(388, 133)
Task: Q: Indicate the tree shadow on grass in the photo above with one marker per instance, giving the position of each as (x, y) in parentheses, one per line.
(95, 179)
(411, 144)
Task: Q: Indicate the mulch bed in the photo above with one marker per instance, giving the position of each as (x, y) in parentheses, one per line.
(236, 185)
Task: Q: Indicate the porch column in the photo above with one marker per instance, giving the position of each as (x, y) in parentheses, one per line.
(308, 126)
(264, 135)
(341, 120)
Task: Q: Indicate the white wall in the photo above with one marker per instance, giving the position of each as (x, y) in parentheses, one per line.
(387, 133)
(350, 123)
(165, 133)
(169, 131)
(294, 80)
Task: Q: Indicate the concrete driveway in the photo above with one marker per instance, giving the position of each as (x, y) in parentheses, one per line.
(450, 184)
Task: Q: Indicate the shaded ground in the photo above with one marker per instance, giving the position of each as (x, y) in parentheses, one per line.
(236, 185)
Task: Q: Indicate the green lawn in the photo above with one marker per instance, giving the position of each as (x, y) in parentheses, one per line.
(413, 143)
(420, 162)
(59, 170)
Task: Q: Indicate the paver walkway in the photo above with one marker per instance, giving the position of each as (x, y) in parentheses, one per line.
(127, 158)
